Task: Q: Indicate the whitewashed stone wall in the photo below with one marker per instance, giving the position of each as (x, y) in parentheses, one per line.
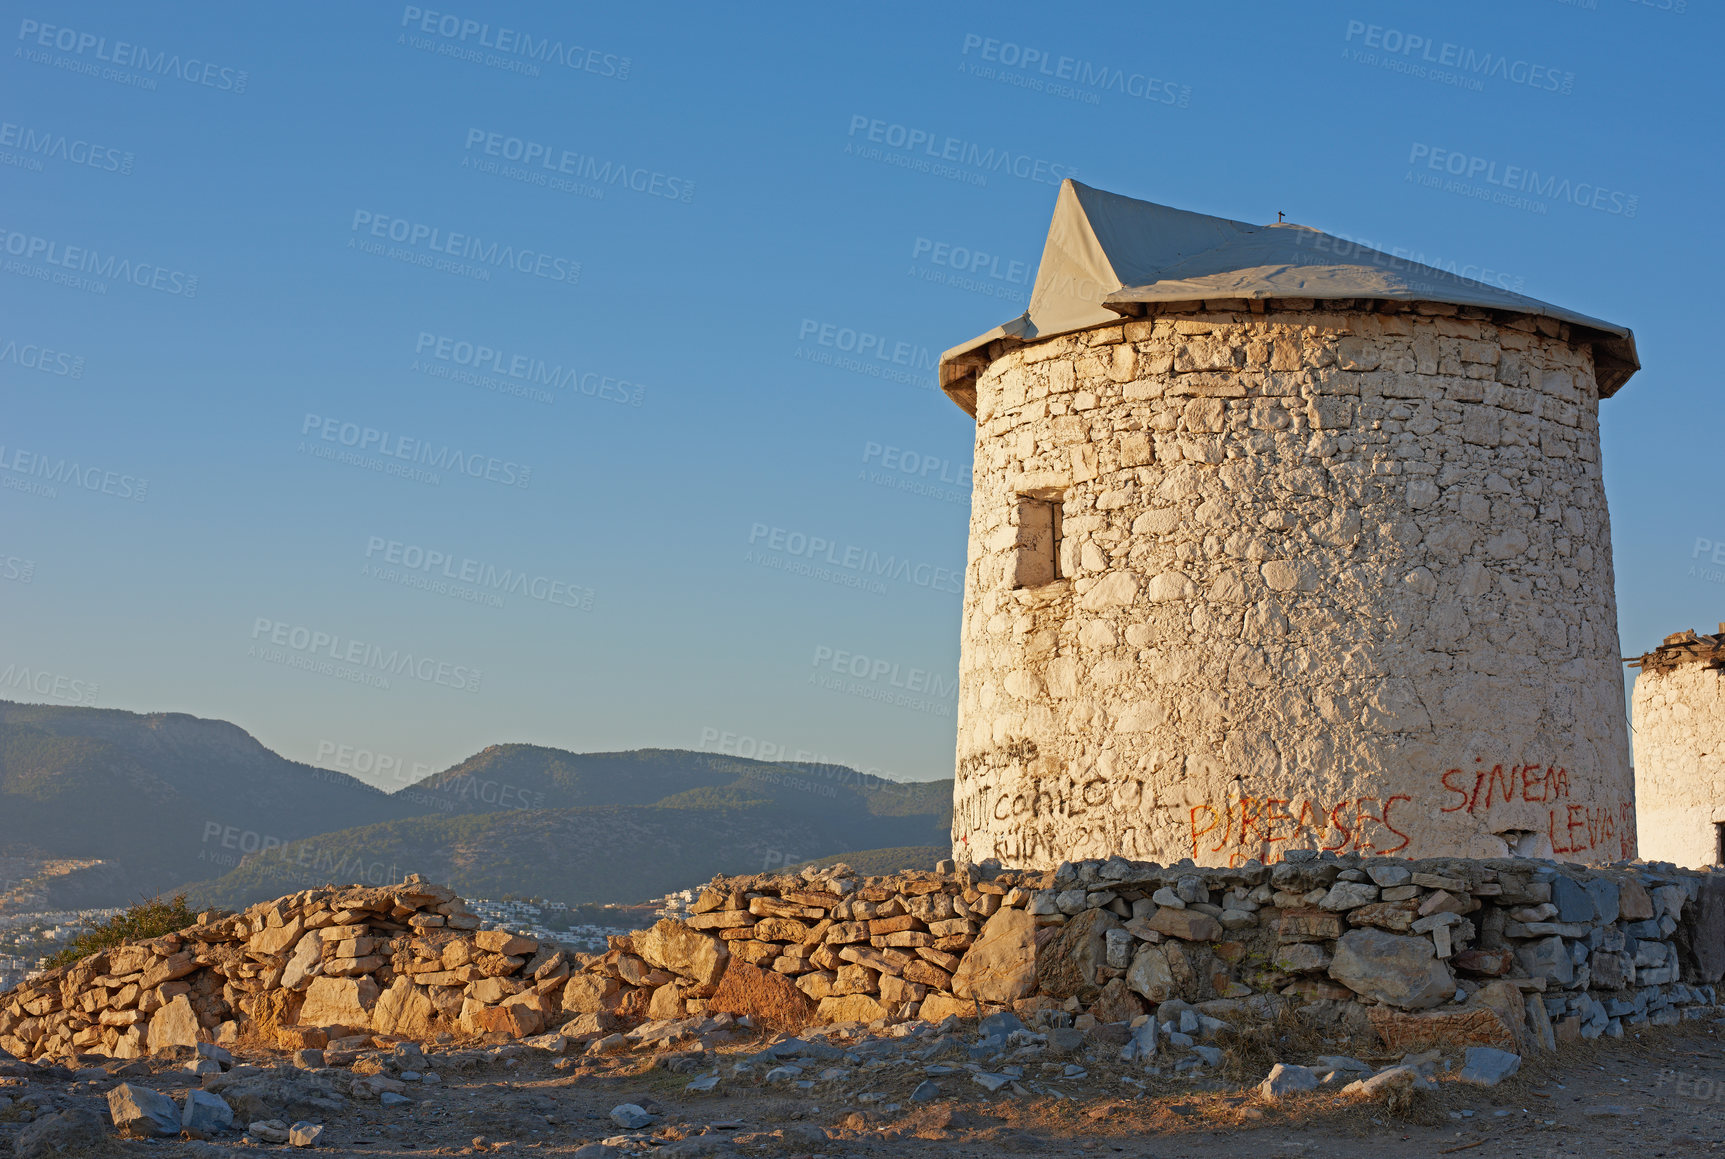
(1329, 580)
(1680, 762)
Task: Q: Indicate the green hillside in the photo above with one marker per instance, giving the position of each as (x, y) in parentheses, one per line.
(158, 793)
(173, 801)
(600, 854)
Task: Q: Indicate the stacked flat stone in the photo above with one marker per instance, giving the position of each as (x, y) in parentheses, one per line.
(1510, 953)
(862, 949)
(407, 960)
(1500, 952)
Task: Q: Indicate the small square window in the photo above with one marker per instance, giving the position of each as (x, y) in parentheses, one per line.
(1037, 553)
(1719, 843)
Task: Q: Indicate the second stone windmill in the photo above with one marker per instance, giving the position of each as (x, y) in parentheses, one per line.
(1278, 543)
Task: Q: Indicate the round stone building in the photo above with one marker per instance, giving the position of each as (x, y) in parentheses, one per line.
(1279, 543)
(1679, 713)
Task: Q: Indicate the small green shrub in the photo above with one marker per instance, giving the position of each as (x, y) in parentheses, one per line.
(140, 923)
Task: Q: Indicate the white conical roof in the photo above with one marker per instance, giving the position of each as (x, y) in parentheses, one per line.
(1105, 251)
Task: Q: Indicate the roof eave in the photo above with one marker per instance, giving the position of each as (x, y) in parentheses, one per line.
(1615, 358)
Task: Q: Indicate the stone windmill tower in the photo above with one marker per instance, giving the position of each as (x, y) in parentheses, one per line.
(1679, 715)
(1280, 543)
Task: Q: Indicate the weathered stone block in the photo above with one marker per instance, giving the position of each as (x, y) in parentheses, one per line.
(1066, 967)
(1548, 958)
(691, 954)
(850, 1008)
(585, 993)
(1634, 904)
(174, 1025)
(1574, 903)
(1395, 916)
(1301, 958)
(1309, 925)
(1187, 924)
(1395, 969)
(141, 1113)
(1001, 966)
(1492, 1019)
(1490, 963)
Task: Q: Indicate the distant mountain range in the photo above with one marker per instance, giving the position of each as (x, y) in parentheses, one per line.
(171, 801)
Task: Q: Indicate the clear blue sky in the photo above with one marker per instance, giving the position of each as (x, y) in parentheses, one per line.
(701, 424)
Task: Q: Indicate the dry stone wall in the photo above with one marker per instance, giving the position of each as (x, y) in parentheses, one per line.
(407, 960)
(1331, 579)
(1679, 712)
(1509, 953)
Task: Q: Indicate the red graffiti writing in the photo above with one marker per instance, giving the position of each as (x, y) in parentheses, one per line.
(1572, 827)
(1252, 825)
(1584, 828)
(1521, 783)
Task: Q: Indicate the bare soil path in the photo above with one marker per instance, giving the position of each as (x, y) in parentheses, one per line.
(1656, 1094)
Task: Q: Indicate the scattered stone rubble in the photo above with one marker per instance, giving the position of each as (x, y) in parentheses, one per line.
(740, 1090)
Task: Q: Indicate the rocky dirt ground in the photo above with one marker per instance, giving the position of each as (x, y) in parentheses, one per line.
(1657, 1092)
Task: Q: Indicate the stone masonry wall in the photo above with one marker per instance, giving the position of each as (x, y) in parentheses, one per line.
(1679, 716)
(1510, 953)
(1332, 580)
